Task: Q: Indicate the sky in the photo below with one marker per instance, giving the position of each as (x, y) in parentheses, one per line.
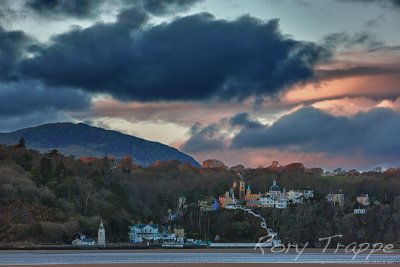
(246, 82)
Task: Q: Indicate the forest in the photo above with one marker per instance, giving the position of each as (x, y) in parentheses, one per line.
(45, 198)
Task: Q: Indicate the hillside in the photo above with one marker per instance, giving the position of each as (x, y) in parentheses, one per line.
(46, 198)
(82, 140)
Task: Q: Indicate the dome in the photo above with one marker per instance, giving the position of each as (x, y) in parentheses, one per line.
(274, 186)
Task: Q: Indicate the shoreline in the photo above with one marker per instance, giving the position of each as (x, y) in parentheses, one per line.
(213, 264)
(183, 250)
(187, 257)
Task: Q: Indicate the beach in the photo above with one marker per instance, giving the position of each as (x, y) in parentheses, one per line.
(214, 264)
(192, 257)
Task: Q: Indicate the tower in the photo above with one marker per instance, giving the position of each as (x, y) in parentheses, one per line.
(248, 192)
(101, 236)
(242, 188)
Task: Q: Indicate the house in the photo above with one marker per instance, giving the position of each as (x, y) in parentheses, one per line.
(208, 204)
(140, 232)
(295, 197)
(307, 192)
(228, 198)
(180, 235)
(336, 199)
(271, 201)
(82, 240)
(359, 211)
(252, 200)
(363, 199)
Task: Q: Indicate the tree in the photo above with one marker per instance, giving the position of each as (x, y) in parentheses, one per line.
(60, 169)
(46, 168)
(36, 176)
(126, 164)
(21, 143)
(54, 152)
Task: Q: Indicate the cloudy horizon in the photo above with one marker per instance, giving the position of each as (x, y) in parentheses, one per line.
(305, 81)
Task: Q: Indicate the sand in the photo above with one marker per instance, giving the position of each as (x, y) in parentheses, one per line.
(217, 265)
(193, 264)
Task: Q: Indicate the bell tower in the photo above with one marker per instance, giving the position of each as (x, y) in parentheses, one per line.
(242, 188)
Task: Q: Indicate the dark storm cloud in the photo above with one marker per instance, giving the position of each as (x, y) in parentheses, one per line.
(191, 58)
(203, 139)
(374, 133)
(356, 72)
(13, 44)
(9, 124)
(67, 8)
(29, 103)
(383, 3)
(344, 39)
(33, 97)
(132, 18)
(158, 7)
(85, 9)
(92, 8)
(243, 119)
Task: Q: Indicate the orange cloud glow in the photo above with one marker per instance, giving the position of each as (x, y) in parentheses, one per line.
(264, 157)
(372, 86)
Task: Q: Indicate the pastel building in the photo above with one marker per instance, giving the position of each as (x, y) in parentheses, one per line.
(335, 199)
(274, 198)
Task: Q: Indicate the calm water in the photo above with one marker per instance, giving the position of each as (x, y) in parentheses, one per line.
(37, 258)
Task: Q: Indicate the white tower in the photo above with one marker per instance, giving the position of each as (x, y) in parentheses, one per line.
(101, 237)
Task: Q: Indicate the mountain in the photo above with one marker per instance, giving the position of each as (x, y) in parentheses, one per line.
(82, 140)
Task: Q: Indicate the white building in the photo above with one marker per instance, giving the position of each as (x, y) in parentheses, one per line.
(363, 199)
(275, 198)
(359, 211)
(101, 236)
(82, 240)
(140, 232)
(296, 197)
(335, 199)
(307, 193)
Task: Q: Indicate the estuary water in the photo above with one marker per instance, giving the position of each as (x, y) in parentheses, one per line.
(110, 257)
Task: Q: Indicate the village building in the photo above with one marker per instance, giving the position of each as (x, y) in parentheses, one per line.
(252, 200)
(180, 235)
(298, 196)
(208, 204)
(82, 240)
(294, 197)
(335, 199)
(363, 200)
(228, 199)
(359, 211)
(149, 232)
(274, 198)
(140, 232)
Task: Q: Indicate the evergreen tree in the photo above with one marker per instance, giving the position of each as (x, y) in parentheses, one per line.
(21, 143)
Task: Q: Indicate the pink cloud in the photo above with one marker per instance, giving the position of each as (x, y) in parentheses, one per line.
(264, 157)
